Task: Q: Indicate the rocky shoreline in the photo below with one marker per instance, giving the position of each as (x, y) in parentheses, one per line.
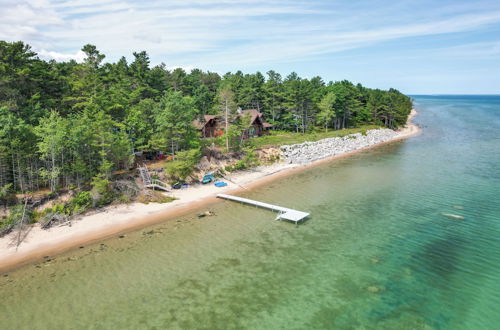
(308, 152)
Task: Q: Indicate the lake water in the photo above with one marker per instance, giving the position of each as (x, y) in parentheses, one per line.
(377, 252)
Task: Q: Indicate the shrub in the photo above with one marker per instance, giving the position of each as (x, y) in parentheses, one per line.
(273, 159)
(101, 192)
(125, 190)
(81, 202)
(7, 196)
(58, 208)
(184, 164)
(154, 197)
(15, 216)
(250, 160)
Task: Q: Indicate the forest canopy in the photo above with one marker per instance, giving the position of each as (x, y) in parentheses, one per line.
(67, 124)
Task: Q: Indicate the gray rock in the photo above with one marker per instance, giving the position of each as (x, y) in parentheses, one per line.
(310, 151)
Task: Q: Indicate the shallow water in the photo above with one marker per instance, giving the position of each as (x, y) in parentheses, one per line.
(377, 253)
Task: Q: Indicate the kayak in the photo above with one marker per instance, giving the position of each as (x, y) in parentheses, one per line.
(207, 178)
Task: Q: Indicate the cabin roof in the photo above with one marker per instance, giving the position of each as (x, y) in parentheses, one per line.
(199, 124)
(254, 115)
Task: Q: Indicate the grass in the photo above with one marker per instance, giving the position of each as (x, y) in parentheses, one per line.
(153, 196)
(280, 138)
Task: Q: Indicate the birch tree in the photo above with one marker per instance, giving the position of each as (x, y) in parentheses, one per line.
(326, 113)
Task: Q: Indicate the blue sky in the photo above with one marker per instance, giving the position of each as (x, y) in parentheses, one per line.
(418, 47)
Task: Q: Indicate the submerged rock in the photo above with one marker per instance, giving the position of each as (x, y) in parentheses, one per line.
(206, 214)
(374, 289)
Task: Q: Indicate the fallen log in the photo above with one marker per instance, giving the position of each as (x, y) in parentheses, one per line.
(53, 219)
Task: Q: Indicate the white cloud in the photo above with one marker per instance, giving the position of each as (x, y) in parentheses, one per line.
(31, 13)
(226, 32)
(297, 47)
(79, 56)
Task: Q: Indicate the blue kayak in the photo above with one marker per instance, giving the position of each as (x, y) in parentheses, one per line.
(220, 184)
(208, 178)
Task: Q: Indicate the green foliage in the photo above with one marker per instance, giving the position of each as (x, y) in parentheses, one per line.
(81, 202)
(6, 194)
(183, 165)
(102, 194)
(155, 197)
(52, 138)
(174, 116)
(248, 161)
(69, 124)
(16, 213)
(139, 122)
(78, 204)
(5, 190)
(60, 208)
(327, 113)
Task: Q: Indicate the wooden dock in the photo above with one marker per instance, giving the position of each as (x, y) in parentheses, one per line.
(284, 213)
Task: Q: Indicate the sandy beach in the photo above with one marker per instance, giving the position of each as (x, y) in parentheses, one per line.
(115, 220)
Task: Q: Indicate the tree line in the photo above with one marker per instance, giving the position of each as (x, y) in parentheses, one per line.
(68, 124)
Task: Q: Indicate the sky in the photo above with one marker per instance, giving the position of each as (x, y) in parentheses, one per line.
(418, 46)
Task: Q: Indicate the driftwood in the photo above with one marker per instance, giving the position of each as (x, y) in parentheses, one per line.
(53, 219)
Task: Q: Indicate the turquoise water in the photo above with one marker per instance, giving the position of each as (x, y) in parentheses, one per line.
(377, 253)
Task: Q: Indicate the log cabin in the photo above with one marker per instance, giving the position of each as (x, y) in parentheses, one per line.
(213, 126)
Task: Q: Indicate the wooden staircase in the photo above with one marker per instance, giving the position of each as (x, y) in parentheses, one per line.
(151, 183)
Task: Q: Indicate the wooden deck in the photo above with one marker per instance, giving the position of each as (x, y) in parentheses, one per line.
(284, 213)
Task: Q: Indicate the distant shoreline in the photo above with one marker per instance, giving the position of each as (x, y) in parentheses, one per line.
(115, 220)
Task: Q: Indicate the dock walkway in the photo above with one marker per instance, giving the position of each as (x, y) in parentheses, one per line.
(284, 213)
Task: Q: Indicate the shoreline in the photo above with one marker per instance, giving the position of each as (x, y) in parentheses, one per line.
(115, 220)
